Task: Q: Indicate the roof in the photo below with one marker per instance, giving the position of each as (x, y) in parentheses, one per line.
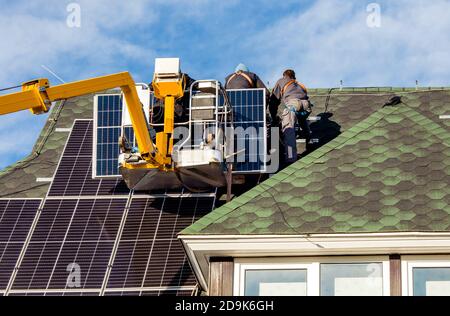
(343, 112)
(388, 172)
(20, 179)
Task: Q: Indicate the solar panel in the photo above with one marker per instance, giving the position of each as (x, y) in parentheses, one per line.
(108, 112)
(16, 218)
(111, 119)
(120, 241)
(249, 108)
(74, 174)
(249, 113)
(70, 234)
(149, 255)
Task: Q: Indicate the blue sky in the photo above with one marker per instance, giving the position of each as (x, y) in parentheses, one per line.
(324, 40)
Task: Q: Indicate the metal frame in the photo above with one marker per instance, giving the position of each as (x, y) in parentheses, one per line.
(192, 122)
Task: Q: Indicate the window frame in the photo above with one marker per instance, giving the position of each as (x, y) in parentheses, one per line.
(411, 262)
(312, 266)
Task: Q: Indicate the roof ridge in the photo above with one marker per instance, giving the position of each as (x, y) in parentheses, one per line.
(375, 90)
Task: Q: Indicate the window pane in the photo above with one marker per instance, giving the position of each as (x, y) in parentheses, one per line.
(275, 283)
(431, 281)
(364, 279)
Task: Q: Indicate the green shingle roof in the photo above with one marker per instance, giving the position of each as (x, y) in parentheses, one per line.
(388, 173)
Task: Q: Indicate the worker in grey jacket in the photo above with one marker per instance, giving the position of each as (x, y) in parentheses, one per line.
(242, 78)
(293, 96)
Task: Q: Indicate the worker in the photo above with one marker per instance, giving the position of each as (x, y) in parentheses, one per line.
(242, 78)
(293, 96)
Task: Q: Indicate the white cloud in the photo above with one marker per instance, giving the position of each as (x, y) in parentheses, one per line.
(34, 35)
(331, 41)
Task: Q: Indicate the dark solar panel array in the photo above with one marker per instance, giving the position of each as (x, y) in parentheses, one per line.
(116, 242)
(68, 232)
(74, 176)
(16, 218)
(149, 255)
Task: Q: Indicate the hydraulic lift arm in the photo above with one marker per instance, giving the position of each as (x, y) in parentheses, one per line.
(37, 96)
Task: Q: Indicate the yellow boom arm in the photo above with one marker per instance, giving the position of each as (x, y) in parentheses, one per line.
(37, 96)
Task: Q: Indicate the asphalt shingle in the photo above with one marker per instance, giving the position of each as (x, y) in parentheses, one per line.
(388, 173)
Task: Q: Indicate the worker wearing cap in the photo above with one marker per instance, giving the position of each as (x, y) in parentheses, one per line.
(293, 96)
(242, 78)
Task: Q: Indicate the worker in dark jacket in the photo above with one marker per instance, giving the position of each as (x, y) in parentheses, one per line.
(293, 96)
(242, 78)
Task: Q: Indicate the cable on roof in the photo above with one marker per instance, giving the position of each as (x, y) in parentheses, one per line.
(286, 221)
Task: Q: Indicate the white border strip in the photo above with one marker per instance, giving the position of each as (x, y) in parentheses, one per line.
(63, 130)
(44, 180)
